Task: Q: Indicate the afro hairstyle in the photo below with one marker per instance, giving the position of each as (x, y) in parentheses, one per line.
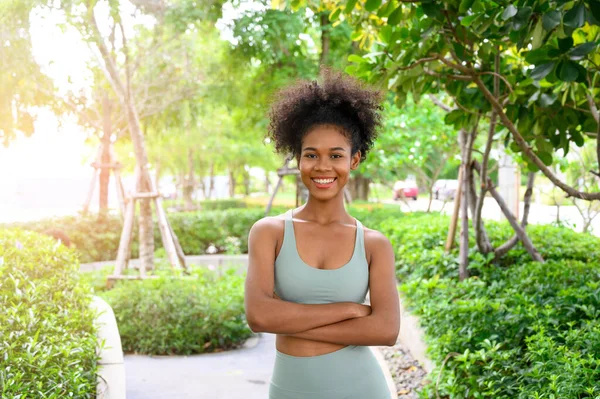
(339, 100)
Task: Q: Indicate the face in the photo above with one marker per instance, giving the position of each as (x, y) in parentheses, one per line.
(326, 161)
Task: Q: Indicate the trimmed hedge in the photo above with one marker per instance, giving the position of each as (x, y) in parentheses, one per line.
(518, 329)
(226, 231)
(180, 316)
(47, 333)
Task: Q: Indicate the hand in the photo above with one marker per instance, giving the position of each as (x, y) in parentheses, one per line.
(363, 310)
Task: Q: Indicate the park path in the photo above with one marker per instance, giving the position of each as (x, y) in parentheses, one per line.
(242, 373)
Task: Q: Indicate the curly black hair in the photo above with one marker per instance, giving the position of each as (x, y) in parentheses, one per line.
(340, 101)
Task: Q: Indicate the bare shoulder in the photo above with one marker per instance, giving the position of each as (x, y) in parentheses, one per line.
(376, 238)
(377, 243)
(269, 226)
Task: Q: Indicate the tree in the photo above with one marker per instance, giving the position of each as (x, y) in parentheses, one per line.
(415, 140)
(24, 87)
(531, 70)
(120, 61)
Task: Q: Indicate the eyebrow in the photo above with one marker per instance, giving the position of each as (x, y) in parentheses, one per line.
(331, 149)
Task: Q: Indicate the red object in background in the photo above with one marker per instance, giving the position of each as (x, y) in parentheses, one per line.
(406, 189)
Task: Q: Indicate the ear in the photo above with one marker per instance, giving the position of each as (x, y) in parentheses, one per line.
(355, 161)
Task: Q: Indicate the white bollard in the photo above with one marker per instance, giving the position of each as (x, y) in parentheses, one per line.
(111, 367)
(509, 179)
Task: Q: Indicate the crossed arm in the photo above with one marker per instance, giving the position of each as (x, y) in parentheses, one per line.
(345, 323)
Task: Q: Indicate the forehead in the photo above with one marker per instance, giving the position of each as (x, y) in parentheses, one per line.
(326, 136)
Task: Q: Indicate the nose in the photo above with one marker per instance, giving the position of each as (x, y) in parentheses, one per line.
(323, 163)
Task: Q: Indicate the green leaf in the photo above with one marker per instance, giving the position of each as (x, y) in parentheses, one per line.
(582, 50)
(356, 35)
(509, 12)
(567, 71)
(541, 71)
(537, 56)
(431, 9)
(350, 6)
(595, 9)
(385, 34)
(356, 58)
(453, 116)
(465, 5)
(538, 35)
(547, 100)
(372, 5)
(575, 17)
(395, 17)
(565, 44)
(467, 21)
(577, 137)
(551, 19)
(546, 158)
(335, 15)
(460, 51)
(522, 18)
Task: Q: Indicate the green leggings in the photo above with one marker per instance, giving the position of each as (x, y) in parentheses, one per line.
(350, 373)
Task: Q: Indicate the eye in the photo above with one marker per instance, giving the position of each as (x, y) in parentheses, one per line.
(335, 156)
(309, 155)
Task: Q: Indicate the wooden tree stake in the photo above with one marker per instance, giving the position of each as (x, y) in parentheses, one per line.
(454, 221)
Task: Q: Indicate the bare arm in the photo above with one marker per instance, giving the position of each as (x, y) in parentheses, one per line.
(268, 314)
(381, 327)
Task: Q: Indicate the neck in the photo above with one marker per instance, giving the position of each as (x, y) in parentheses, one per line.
(324, 212)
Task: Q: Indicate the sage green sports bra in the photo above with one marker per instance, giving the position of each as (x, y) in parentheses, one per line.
(295, 281)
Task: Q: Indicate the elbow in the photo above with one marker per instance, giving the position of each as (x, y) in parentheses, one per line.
(256, 323)
(391, 336)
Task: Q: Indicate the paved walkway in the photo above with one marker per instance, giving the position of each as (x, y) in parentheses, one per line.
(243, 373)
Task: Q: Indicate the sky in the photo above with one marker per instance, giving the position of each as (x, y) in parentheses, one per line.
(49, 173)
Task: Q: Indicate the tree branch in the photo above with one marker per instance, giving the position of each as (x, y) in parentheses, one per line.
(519, 230)
(527, 150)
(461, 68)
(440, 104)
(497, 75)
(508, 245)
(418, 62)
(449, 76)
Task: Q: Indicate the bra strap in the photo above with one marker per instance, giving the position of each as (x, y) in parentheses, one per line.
(288, 234)
(360, 239)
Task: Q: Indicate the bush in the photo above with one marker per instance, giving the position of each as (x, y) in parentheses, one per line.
(180, 316)
(222, 204)
(516, 329)
(95, 239)
(47, 334)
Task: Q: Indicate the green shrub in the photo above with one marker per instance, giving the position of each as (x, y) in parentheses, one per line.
(222, 204)
(516, 329)
(47, 333)
(95, 239)
(171, 315)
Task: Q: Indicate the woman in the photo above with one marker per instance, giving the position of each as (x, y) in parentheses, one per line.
(310, 268)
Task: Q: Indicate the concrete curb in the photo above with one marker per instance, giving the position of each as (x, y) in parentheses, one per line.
(111, 367)
(386, 371)
(412, 337)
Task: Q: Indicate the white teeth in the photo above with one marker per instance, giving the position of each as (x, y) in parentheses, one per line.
(324, 181)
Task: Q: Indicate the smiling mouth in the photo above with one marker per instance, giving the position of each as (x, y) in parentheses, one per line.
(324, 181)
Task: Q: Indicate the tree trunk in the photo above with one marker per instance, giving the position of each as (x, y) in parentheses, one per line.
(231, 183)
(466, 147)
(463, 273)
(359, 187)
(190, 184)
(267, 182)
(105, 156)
(123, 90)
(211, 187)
(246, 183)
